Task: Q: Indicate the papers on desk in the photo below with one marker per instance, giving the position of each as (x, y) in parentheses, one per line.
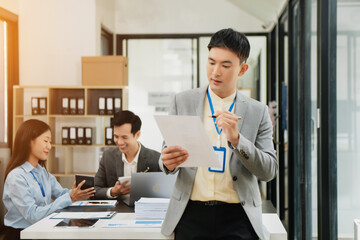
(149, 213)
(100, 203)
(151, 208)
(84, 215)
(132, 223)
(189, 133)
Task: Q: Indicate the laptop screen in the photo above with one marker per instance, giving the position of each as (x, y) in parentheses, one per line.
(150, 184)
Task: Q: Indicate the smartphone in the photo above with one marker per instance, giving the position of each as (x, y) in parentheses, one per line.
(89, 181)
(77, 223)
(123, 179)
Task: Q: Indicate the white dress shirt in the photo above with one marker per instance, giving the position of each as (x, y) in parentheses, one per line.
(129, 168)
(213, 185)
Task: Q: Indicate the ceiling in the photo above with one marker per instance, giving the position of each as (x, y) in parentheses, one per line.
(266, 11)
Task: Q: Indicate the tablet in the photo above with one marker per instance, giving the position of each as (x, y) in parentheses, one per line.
(77, 223)
(89, 181)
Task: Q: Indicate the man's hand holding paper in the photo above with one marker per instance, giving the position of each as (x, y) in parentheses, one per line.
(173, 156)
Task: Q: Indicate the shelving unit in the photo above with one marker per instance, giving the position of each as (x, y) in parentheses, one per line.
(67, 160)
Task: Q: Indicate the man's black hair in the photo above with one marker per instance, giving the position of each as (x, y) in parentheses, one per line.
(232, 40)
(123, 117)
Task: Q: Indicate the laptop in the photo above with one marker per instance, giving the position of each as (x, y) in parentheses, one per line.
(150, 184)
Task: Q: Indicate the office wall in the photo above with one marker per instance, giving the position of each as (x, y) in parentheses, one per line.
(53, 35)
(105, 17)
(58, 33)
(187, 16)
(10, 5)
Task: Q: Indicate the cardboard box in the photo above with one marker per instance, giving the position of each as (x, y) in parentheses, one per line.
(105, 70)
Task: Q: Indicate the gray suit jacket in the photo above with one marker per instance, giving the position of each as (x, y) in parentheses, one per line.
(111, 167)
(254, 158)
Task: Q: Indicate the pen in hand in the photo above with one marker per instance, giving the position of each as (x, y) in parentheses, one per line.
(238, 117)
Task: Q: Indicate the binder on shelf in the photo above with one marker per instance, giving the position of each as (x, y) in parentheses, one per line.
(34, 106)
(52, 105)
(72, 136)
(88, 135)
(80, 136)
(65, 135)
(80, 106)
(42, 105)
(112, 122)
(73, 109)
(117, 104)
(109, 106)
(101, 106)
(109, 136)
(65, 105)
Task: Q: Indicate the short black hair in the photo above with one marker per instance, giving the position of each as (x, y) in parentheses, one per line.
(233, 40)
(123, 117)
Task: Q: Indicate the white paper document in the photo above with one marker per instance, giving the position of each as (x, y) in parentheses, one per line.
(151, 208)
(189, 133)
(84, 215)
(95, 203)
(132, 223)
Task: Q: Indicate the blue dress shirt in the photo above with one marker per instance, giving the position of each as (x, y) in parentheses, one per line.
(24, 200)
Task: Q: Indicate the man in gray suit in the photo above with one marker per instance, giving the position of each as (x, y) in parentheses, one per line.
(129, 157)
(222, 203)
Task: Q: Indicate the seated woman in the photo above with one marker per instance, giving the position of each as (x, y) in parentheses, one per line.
(29, 187)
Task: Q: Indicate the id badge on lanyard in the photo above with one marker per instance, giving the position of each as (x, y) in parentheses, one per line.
(221, 155)
(219, 151)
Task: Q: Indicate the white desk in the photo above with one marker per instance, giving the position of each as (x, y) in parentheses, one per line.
(273, 226)
(44, 229)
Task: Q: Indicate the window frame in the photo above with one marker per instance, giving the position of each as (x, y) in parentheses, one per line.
(11, 20)
(110, 37)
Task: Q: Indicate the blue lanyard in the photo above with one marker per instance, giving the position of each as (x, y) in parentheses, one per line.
(41, 187)
(212, 110)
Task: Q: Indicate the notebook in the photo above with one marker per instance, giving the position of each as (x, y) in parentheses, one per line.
(150, 184)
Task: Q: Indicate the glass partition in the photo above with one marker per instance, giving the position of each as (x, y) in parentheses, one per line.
(158, 68)
(348, 115)
(161, 67)
(314, 144)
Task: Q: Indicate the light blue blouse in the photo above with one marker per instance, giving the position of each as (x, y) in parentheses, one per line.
(23, 199)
